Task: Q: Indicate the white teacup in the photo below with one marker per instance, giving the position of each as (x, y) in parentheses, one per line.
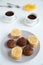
(31, 19)
(9, 16)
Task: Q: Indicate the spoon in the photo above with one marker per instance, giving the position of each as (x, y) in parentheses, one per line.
(6, 6)
(9, 5)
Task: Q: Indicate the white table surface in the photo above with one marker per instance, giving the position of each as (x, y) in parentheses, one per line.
(5, 28)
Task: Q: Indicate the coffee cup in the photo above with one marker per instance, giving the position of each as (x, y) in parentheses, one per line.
(9, 16)
(31, 19)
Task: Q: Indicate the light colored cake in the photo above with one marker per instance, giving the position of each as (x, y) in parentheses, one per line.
(15, 33)
(16, 53)
(33, 40)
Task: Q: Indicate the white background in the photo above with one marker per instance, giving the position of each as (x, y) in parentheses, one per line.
(5, 28)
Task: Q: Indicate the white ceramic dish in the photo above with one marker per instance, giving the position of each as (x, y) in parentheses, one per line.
(25, 22)
(4, 19)
(5, 50)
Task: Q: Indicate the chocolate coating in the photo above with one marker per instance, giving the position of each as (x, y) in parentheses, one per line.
(21, 41)
(27, 50)
(11, 43)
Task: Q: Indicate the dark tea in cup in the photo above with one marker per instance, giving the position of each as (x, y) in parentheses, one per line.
(32, 16)
(9, 13)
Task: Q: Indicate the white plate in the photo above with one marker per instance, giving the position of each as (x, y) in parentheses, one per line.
(5, 50)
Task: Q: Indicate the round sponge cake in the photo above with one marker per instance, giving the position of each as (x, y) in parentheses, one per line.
(15, 33)
(16, 53)
(27, 50)
(33, 40)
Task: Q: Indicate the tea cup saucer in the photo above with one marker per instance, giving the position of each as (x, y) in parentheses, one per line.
(5, 20)
(29, 24)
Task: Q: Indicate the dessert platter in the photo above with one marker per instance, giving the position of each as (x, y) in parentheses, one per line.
(20, 46)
